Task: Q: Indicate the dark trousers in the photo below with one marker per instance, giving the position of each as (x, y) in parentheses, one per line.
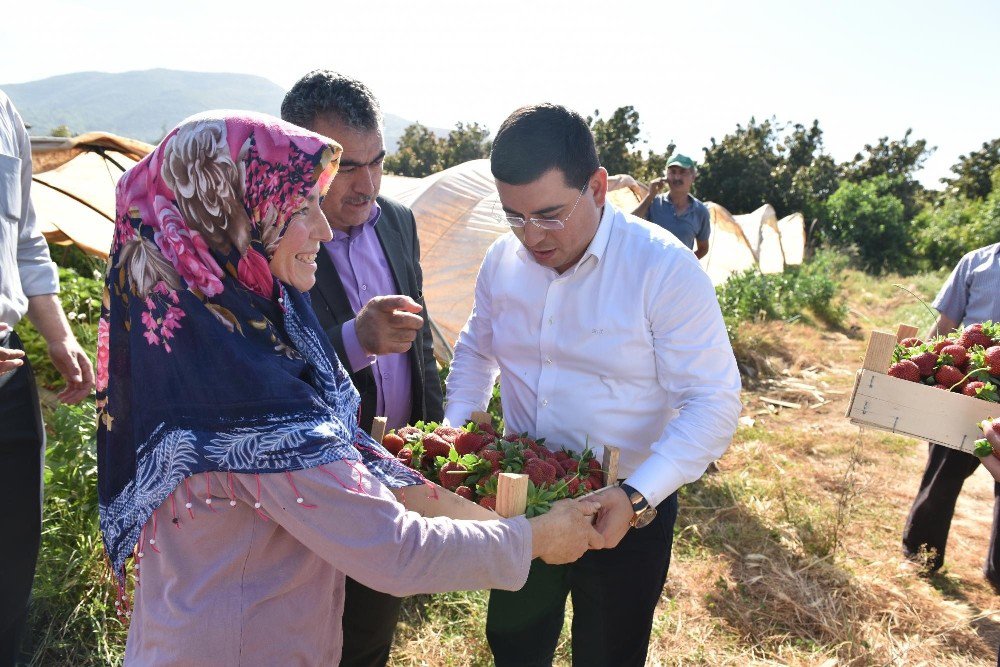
(614, 593)
(930, 517)
(369, 623)
(22, 455)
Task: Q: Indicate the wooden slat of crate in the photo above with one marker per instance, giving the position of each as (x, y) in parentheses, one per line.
(908, 408)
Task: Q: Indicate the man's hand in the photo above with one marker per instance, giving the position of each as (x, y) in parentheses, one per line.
(388, 324)
(615, 515)
(565, 533)
(656, 185)
(9, 359)
(75, 367)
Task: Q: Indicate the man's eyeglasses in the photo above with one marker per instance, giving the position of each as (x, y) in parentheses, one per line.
(551, 224)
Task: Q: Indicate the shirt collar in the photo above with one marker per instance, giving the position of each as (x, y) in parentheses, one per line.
(354, 232)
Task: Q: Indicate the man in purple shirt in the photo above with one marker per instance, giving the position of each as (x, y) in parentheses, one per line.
(369, 299)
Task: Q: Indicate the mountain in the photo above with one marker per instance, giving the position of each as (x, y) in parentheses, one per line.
(146, 104)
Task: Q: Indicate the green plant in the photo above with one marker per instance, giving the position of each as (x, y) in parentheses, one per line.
(73, 616)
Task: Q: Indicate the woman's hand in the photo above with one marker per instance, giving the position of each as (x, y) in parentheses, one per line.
(566, 532)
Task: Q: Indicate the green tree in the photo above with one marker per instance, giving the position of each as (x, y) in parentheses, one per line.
(617, 139)
(466, 142)
(973, 172)
(897, 160)
(955, 225)
(419, 153)
(737, 171)
(870, 218)
(61, 131)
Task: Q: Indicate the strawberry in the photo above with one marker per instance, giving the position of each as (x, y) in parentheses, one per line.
(905, 370)
(494, 456)
(958, 355)
(393, 442)
(489, 502)
(926, 361)
(597, 479)
(465, 492)
(594, 465)
(486, 427)
(573, 485)
(941, 344)
(540, 472)
(408, 433)
(452, 475)
(911, 342)
(435, 445)
(941, 386)
(973, 335)
(572, 465)
(949, 376)
(469, 443)
(529, 454)
(986, 391)
(991, 358)
(448, 433)
(561, 456)
(405, 455)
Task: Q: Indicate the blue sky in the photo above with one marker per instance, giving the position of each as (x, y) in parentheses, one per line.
(692, 70)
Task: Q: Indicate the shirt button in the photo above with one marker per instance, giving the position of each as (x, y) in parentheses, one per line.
(364, 288)
(385, 376)
(545, 401)
(548, 360)
(550, 321)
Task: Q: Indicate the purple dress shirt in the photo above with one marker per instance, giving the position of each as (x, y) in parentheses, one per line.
(365, 272)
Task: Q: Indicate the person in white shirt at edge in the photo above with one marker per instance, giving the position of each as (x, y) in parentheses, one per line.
(604, 331)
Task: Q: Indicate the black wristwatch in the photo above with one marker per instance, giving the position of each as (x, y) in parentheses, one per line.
(644, 512)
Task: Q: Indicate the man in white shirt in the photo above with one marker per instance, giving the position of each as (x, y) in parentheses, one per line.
(604, 331)
(29, 283)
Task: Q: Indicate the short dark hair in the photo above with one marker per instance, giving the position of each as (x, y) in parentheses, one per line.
(324, 92)
(536, 138)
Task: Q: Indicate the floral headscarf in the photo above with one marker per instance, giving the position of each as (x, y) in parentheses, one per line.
(205, 361)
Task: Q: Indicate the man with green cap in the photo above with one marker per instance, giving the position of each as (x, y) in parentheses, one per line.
(678, 212)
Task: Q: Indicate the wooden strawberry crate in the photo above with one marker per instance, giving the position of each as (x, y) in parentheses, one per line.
(917, 410)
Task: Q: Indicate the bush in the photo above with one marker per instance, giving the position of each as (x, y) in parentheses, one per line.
(752, 295)
(73, 618)
(870, 218)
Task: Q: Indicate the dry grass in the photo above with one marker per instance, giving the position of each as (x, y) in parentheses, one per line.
(790, 554)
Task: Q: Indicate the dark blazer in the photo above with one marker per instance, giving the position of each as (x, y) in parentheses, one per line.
(397, 232)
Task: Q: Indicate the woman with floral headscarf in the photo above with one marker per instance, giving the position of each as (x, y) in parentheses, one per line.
(231, 465)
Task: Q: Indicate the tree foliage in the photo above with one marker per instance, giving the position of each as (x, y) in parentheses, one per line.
(421, 152)
(973, 172)
(617, 138)
(870, 218)
(897, 160)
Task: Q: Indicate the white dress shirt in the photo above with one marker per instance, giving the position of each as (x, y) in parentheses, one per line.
(626, 348)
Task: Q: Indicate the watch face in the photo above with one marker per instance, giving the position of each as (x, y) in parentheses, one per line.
(643, 519)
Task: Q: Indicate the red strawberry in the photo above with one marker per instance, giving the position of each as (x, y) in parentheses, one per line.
(489, 502)
(488, 428)
(448, 433)
(905, 370)
(494, 456)
(435, 445)
(973, 335)
(911, 342)
(593, 464)
(469, 443)
(529, 454)
(949, 376)
(941, 344)
(926, 361)
(941, 386)
(393, 443)
(970, 388)
(573, 485)
(540, 472)
(572, 465)
(409, 432)
(465, 492)
(452, 475)
(959, 355)
(406, 456)
(562, 456)
(587, 485)
(596, 480)
(992, 359)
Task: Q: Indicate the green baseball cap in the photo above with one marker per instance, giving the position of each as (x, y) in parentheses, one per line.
(682, 161)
